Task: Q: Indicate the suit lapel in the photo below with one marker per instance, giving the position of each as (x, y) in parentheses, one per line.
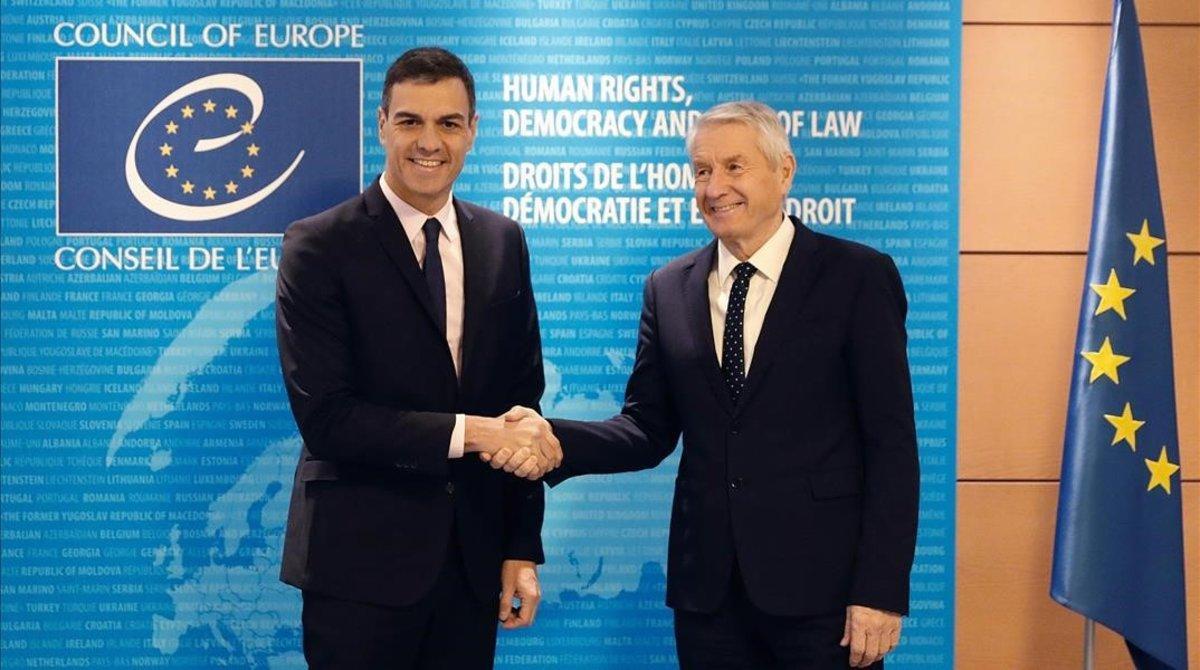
(695, 290)
(799, 271)
(476, 269)
(390, 234)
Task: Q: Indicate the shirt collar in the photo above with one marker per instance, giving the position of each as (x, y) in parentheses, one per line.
(769, 258)
(413, 219)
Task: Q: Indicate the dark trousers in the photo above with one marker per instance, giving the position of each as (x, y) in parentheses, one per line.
(448, 628)
(739, 636)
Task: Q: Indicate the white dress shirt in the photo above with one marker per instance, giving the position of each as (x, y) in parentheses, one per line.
(450, 249)
(768, 263)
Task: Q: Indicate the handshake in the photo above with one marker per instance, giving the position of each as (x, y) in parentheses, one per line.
(519, 441)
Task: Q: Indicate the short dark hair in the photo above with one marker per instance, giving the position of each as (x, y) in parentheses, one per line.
(428, 65)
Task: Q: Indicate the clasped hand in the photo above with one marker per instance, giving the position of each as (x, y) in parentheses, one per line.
(525, 446)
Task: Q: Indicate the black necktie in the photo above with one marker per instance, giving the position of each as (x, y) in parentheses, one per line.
(434, 278)
(732, 350)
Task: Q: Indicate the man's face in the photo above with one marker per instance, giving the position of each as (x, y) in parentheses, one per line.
(426, 133)
(738, 192)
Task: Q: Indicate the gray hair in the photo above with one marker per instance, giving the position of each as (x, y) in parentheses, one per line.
(772, 138)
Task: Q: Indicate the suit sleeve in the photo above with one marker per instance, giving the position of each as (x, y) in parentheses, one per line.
(884, 405)
(524, 501)
(647, 429)
(317, 361)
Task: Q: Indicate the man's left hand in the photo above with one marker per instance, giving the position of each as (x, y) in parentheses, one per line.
(519, 579)
(870, 634)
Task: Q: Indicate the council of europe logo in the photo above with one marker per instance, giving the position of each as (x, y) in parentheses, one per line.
(204, 147)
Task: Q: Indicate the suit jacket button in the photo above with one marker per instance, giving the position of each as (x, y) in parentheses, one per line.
(450, 488)
(736, 483)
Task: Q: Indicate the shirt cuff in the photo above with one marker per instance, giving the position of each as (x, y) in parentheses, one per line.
(458, 436)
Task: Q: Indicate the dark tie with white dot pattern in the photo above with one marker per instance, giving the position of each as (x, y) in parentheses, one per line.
(732, 349)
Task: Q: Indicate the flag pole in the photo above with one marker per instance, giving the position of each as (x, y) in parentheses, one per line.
(1089, 642)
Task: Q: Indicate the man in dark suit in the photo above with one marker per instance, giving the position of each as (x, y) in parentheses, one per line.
(405, 320)
(779, 353)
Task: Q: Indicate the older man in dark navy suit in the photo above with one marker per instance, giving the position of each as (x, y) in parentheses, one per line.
(779, 353)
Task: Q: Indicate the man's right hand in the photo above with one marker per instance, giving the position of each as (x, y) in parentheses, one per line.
(519, 442)
(550, 451)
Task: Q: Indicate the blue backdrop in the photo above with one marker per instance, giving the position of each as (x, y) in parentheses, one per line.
(147, 444)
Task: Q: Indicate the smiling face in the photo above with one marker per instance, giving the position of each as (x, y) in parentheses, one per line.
(426, 132)
(738, 191)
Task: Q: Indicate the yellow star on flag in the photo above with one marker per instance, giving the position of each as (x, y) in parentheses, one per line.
(231, 112)
(252, 149)
(1105, 362)
(172, 128)
(1160, 472)
(247, 127)
(1127, 427)
(187, 111)
(231, 187)
(188, 187)
(172, 171)
(165, 149)
(209, 106)
(247, 172)
(1144, 244)
(1112, 295)
(210, 193)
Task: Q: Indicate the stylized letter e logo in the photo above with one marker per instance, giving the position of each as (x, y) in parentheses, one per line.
(184, 212)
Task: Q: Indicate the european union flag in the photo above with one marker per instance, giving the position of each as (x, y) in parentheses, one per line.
(208, 147)
(1118, 550)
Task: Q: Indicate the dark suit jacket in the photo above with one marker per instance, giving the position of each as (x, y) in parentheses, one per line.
(810, 480)
(373, 390)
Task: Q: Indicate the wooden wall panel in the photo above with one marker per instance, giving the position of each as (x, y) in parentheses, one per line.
(1033, 80)
(1017, 319)
(1004, 615)
(1031, 120)
(1076, 11)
